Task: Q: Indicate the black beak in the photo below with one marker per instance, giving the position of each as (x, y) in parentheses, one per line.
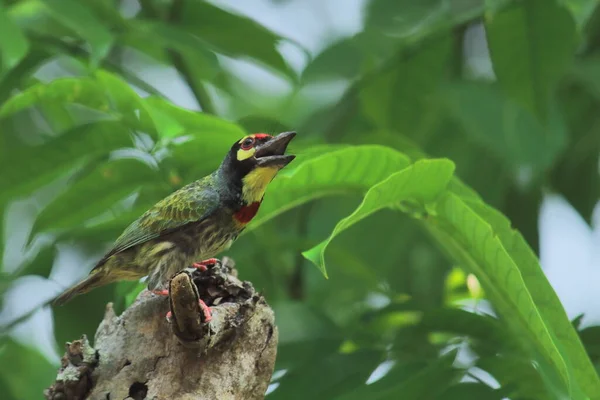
(272, 152)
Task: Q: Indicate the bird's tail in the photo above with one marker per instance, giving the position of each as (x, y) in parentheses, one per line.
(95, 279)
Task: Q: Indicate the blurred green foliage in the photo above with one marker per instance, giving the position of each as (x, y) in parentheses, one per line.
(413, 168)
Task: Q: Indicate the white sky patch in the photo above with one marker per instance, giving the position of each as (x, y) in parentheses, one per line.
(570, 257)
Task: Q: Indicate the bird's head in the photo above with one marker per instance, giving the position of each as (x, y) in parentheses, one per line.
(254, 160)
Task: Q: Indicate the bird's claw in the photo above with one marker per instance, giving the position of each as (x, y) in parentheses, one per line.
(204, 265)
(206, 311)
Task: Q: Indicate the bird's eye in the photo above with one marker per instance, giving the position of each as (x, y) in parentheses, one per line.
(247, 143)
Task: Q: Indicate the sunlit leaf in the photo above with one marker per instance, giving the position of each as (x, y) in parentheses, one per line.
(353, 169)
(476, 245)
(421, 182)
(545, 298)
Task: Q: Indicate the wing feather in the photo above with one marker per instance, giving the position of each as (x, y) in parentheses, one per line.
(192, 203)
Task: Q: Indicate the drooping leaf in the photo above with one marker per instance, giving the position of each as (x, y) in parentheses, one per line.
(476, 245)
(420, 182)
(545, 298)
(353, 169)
(172, 37)
(206, 21)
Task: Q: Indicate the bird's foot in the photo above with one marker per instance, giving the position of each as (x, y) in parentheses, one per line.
(205, 310)
(204, 265)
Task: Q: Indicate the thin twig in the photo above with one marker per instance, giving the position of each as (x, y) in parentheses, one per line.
(296, 284)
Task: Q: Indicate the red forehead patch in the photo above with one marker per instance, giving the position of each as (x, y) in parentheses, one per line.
(262, 135)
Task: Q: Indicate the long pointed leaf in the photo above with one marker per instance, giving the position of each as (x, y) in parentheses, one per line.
(422, 181)
(353, 169)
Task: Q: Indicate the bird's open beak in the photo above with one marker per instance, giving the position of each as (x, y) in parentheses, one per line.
(271, 153)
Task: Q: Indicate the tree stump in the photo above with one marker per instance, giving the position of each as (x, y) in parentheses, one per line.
(141, 355)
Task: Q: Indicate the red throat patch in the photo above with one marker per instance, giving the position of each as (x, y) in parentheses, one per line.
(246, 213)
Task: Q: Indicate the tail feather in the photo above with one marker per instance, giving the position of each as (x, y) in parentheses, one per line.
(94, 280)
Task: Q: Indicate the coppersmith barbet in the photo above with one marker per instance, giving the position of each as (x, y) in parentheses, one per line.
(194, 223)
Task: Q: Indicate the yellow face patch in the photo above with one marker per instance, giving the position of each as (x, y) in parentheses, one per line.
(255, 183)
(245, 154)
(247, 144)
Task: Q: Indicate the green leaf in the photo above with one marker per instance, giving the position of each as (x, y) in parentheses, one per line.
(208, 22)
(423, 181)
(197, 124)
(126, 101)
(84, 91)
(172, 37)
(545, 298)
(337, 374)
(95, 194)
(514, 285)
(78, 18)
(106, 93)
(305, 334)
(516, 373)
(531, 45)
(411, 381)
(471, 391)
(350, 170)
(506, 128)
(24, 173)
(13, 44)
(582, 10)
(17, 358)
(397, 97)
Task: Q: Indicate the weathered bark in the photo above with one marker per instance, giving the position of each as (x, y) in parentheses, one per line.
(140, 355)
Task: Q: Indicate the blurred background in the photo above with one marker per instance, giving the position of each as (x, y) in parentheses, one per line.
(107, 106)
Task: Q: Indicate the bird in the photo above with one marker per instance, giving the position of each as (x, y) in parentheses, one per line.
(196, 222)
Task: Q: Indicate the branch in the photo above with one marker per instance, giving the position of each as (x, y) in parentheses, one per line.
(140, 355)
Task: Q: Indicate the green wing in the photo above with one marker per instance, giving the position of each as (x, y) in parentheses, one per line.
(192, 203)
